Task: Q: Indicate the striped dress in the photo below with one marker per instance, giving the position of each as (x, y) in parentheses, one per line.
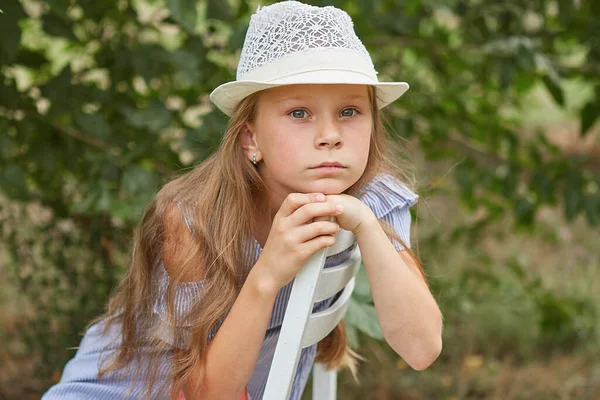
(389, 199)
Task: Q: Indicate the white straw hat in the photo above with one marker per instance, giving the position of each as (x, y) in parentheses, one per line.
(293, 43)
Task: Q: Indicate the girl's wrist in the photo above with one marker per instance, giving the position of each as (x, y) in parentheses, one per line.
(261, 284)
(368, 223)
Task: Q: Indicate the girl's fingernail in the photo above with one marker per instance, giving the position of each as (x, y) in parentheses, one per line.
(339, 207)
(320, 197)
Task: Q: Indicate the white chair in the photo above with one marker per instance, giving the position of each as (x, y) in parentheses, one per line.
(301, 328)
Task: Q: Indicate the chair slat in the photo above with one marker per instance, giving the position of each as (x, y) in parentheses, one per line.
(332, 280)
(321, 323)
(343, 240)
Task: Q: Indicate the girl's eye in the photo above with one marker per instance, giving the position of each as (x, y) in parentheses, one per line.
(298, 114)
(349, 112)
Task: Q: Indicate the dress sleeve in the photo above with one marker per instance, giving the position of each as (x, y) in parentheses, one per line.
(79, 379)
(391, 200)
(186, 295)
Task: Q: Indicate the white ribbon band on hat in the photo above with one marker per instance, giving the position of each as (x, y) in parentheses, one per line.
(281, 70)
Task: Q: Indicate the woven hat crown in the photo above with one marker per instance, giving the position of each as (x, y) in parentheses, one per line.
(291, 43)
(290, 27)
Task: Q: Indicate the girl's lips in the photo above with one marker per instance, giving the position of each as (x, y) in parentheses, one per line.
(329, 170)
(329, 164)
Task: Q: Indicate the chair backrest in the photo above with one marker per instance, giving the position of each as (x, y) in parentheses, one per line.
(302, 328)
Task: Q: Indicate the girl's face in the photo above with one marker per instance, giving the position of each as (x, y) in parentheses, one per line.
(298, 128)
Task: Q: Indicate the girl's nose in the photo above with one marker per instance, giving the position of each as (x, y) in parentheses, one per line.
(329, 136)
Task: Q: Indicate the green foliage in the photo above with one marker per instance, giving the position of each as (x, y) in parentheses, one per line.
(361, 315)
(515, 314)
(101, 101)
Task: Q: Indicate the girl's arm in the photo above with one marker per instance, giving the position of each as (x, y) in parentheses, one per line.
(233, 352)
(410, 319)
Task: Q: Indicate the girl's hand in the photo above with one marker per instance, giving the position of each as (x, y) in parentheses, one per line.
(354, 213)
(294, 237)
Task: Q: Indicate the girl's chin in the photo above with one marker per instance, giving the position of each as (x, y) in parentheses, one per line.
(328, 186)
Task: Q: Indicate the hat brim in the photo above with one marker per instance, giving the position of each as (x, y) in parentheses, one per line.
(228, 95)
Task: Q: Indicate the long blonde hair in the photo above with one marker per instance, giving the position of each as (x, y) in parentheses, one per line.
(220, 193)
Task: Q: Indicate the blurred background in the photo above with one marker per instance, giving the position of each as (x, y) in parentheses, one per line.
(102, 101)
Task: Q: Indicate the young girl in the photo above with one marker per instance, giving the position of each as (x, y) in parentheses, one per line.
(199, 311)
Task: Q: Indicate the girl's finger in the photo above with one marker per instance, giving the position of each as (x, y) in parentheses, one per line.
(307, 232)
(323, 218)
(308, 212)
(296, 200)
(318, 243)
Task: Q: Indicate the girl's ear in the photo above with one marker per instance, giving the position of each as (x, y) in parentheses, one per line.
(248, 141)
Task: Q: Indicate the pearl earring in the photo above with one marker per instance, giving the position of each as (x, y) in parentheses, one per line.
(254, 159)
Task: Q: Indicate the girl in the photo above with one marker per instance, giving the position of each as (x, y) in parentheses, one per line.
(199, 311)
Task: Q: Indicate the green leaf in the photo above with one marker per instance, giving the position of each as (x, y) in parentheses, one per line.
(184, 12)
(14, 184)
(136, 180)
(464, 175)
(10, 33)
(93, 123)
(573, 203)
(187, 65)
(553, 85)
(525, 211)
(50, 165)
(7, 144)
(97, 10)
(589, 114)
(523, 83)
(592, 208)
(155, 117)
(59, 7)
(56, 26)
(58, 91)
(362, 287)
(364, 318)
(236, 40)
(243, 10)
(543, 185)
(147, 61)
(31, 59)
(352, 336)
(218, 9)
